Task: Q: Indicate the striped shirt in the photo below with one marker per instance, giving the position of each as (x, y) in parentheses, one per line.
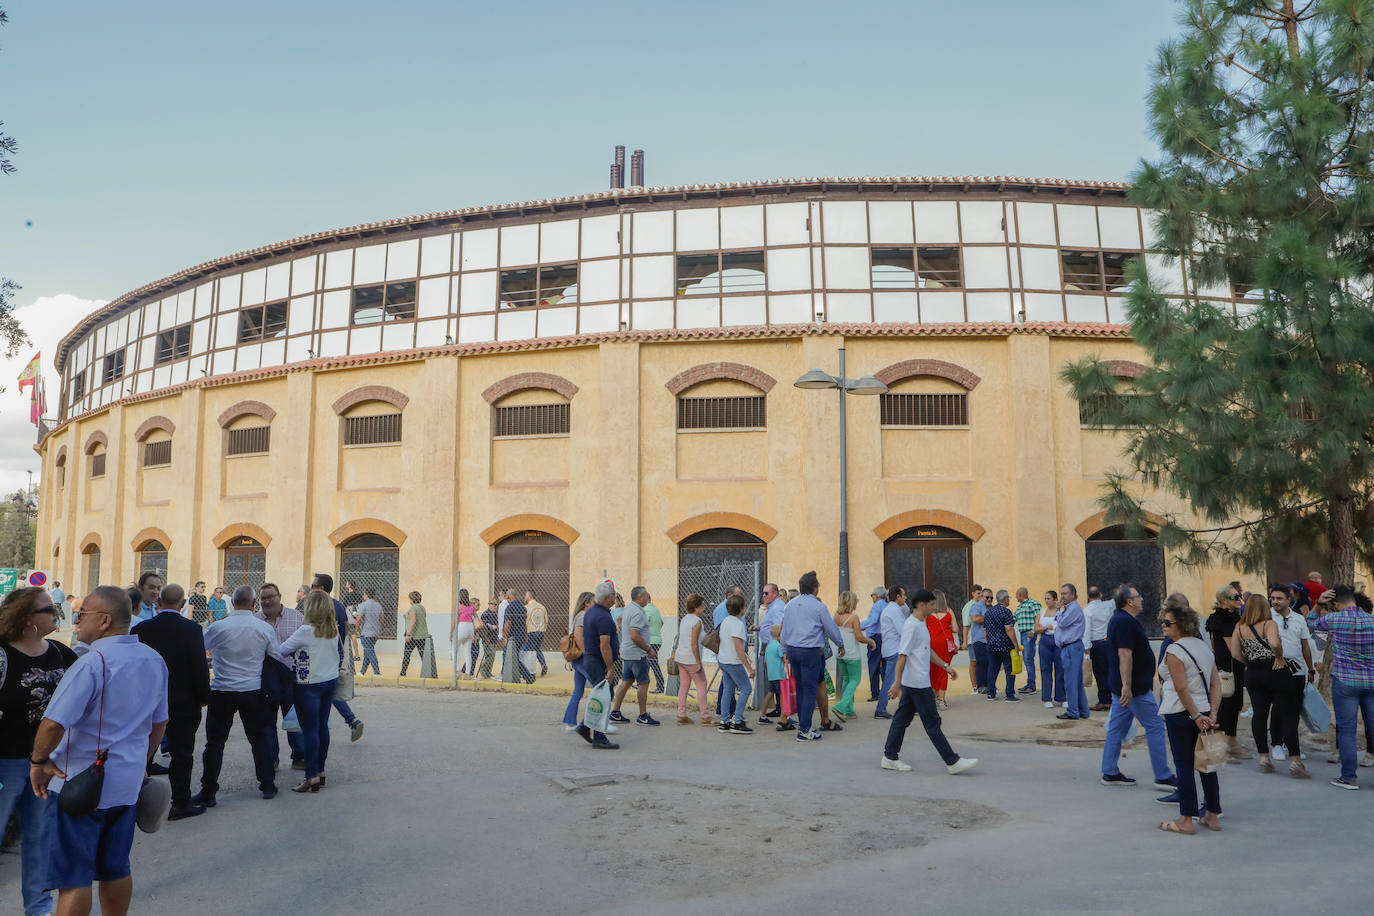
(1027, 612)
(288, 622)
(1352, 638)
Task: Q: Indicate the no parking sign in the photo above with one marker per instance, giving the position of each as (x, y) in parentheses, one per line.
(37, 578)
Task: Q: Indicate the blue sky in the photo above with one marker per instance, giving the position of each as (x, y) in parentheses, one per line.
(157, 135)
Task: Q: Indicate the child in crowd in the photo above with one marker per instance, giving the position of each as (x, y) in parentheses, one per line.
(772, 656)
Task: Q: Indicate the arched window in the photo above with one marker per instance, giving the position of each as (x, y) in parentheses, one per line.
(1113, 560)
(91, 555)
(61, 469)
(712, 561)
(371, 563)
(152, 557)
(245, 563)
(930, 556)
(531, 413)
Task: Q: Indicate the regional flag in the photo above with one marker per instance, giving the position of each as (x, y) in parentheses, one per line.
(30, 374)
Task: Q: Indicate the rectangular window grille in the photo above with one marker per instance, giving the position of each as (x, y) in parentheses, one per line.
(114, 367)
(924, 409)
(262, 322)
(156, 454)
(530, 420)
(98, 465)
(173, 344)
(251, 440)
(1089, 408)
(748, 412)
(376, 430)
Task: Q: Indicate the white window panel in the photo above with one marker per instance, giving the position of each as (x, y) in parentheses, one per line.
(200, 336)
(1040, 268)
(985, 268)
(557, 322)
(398, 335)
(403, 259)
(600, 236)
(988, 306)
(1078, 227)
(1035, 223)
(162, 376)
(478, 293)
(848, 307)
(1165, 275)
(941, 307)
(741, 227)
(298, 349)
(847, 268)
(365, 339)
(652, 277)
(794, 309)
(278, 282)
(515, 326)
(303, 276)
(786, 224)
(369, 264)
(226, 330)
(223, 364)
(1119, 227)
(249, 357)
(981, 220)
(698, 229)
(1078, 307)
(598, 281)
(101, 333)
(889, 222)
(736, 311)
(166, 314)
(477, 330)
(433, 297)
(1148, 223)
(301, 315)
(652, 316)
(653, 231)
(558, 241)
(937, 221)
(333, 343)
(895, 308)
(338, 268)
(226, 301)
(519, 245)
(844, 221)
(273, 353)
(1044, 307)
(435, 255)
(596, 319)
(186, 306)
(254, 287)
(698, 312)
(789, 268)
(431, 333)
(180, 368)
(205, 299)
(144, 381)
(1116, 310)
(337, 309)
(479, 249)
(147, 351)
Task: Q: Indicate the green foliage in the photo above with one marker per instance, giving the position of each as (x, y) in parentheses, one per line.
(1264, 412)
(18, 528)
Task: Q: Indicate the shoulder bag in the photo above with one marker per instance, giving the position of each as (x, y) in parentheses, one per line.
(80, 795)
(343, 690)
(568, 646)
(670, 665)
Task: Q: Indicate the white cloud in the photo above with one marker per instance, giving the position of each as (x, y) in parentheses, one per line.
(46, 320)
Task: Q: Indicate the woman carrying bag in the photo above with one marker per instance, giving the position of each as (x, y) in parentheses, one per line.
(1256, 640)
(1191, 691)
(317, 657)
(584, 601)
(687, 654)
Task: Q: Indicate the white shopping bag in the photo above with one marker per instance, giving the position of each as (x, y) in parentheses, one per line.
(598, 712)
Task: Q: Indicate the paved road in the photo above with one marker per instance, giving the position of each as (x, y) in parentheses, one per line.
(450, 804)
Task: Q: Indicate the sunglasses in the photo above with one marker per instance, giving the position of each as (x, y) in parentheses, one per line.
(1233, 597)
(1165, 624)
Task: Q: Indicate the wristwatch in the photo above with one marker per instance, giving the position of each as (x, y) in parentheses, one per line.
(39, 763)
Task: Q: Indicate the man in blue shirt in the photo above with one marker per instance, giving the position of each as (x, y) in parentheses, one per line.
(806, 624)
(150, 587)
(873, 630)
(1069, 626)
(719, 614)
(601, 649)
(977, 640)
(890, 625)
(1131, 679)
(999, 626)
(772, 616)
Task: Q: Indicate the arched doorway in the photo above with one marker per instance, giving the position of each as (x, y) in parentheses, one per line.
(535, 561)
(91, 554)
(371, 562)
(929, 556)
(245, 563)
(711, 561)
(152, 557)
(1113, 560)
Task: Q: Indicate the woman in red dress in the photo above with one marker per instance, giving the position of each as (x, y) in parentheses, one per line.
(940, 623)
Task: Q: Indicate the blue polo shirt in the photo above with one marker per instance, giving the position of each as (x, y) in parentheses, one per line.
(597, 623)
(1125, 632)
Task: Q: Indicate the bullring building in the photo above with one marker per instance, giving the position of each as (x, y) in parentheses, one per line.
(603, 384)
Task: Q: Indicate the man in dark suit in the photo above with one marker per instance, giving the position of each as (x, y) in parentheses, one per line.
(182, 646)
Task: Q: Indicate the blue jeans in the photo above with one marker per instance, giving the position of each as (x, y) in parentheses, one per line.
(1000, 661)
(1349, 702)
(1072, 659)
(734, 679)
(1051, 670)
(889, 676)
(579, 685)
(344, 711)
(17, 797)
(978, 651)
(1183, 743)
(807, 664)
(875, 665)
(312, 709)
(370, 654)
(1028, 641)
(1146, 711)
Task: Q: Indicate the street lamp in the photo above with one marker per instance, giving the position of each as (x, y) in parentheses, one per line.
(817, 379)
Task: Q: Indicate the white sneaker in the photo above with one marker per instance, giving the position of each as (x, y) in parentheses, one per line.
(963, 763)
(1366, 761)
(612, 729)
(569, 729)
(1049, 705)
(897, 765)
(1248, 714)
(1057, 703)
(1278, 752)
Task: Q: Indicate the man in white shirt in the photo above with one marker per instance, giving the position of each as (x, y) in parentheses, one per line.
(1296, 638)
(237, 646)
(890, 623)
(1096, 615)
(914, 659)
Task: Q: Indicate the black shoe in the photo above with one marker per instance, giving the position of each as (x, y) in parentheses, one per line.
(270, 793)
(157, 769)
(185, 811)
(882, 715)
(764, 720)
(1064, 715)
(785, 727)
(586, 734)
(724, 727)
(1026, 689)
(207, 801)
(617, 717)
(775, 712)
(739, 728)
(1013, 699)
(604, 745)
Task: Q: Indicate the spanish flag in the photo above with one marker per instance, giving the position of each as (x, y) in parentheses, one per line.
(30, 374)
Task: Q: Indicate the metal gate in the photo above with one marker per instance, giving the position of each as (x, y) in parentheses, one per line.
(536, 562)
(928, 556)
(1112, 561)
(245, 563)
(371, 563)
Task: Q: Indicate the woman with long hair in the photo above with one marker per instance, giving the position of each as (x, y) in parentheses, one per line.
(460, 633)
(687, 654)
(31, 666)
(943, 644)
(1191, 690)
(1256, 639)
(851, 664)
(1221, 623)
(317, 652)
(579, 610)
(1051, 666)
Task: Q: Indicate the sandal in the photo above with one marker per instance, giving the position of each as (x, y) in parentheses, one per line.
(785, 727)
(842, 716)
(1266, 766)
(831, 727)
(1216, 829)
(1298, 771)
(1171, 827)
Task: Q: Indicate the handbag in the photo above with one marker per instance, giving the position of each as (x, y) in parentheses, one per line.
(787, 692)
(568, 646)
(711, 641)
(1228, 684)
(343, 690)
(670, 665)
(1017, 665)
(1210, 751)
(80, 794)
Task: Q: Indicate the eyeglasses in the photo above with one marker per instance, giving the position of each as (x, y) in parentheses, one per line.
(1165, 624)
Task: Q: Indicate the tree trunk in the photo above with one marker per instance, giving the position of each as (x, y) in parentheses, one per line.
(1341, 532)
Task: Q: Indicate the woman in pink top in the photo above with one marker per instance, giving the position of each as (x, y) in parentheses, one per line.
(460, 632)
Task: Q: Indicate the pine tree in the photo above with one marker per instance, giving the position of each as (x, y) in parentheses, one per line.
(1261, 416)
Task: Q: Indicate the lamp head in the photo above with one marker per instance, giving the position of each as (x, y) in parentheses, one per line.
(867, 385)
(816, 378)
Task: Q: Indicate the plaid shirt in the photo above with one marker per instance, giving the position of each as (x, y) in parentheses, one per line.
(1352, 639)
(1027, 613)
(288, 621)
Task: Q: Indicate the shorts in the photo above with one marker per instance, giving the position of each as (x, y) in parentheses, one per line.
(83, 850)
(775, 687)
(636, 670)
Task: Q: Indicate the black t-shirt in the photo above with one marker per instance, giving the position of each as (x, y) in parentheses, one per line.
(26, 686)
(1220, 624)
(1125, 632)
(515, 621)
(488, 632)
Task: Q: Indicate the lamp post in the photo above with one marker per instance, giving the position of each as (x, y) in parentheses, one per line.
(818, 379)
